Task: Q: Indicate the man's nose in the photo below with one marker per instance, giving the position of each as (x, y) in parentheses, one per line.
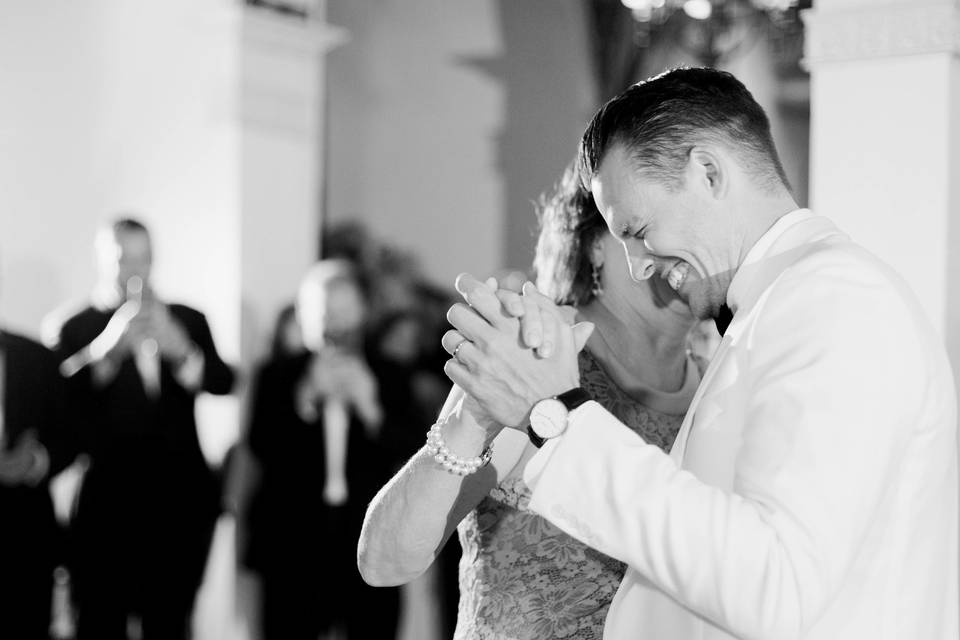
(642, 268)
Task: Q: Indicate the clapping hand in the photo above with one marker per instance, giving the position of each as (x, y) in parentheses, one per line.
(24, 463)
(335, 373)
(172, 339)
(123, 332)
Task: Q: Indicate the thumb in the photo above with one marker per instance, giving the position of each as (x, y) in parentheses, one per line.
(582, 331)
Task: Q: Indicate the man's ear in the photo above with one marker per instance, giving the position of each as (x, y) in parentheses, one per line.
(708, 168)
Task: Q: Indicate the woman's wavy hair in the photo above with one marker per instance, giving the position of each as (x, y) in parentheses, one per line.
(570, 224)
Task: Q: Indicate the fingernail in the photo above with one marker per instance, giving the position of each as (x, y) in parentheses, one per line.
(532, 338)
(545, 350)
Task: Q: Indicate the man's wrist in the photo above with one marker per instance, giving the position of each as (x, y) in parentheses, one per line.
(189, 370)
(549, 417)
(190, 352)
(39, 465)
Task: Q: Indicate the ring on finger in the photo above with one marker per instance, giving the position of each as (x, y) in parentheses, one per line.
(457, 351)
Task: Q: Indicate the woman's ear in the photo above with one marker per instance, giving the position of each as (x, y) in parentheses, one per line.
(596, 253)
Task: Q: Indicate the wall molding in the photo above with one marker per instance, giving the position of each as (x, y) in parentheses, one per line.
(871, 31)
(294, 36)
(282, 70)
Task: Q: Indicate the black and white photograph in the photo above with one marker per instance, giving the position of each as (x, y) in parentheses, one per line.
(479, 320)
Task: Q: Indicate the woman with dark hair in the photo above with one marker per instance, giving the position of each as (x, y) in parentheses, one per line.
(521, 577)
(287, 340)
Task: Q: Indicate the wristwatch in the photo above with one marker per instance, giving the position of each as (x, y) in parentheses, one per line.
(548, 419)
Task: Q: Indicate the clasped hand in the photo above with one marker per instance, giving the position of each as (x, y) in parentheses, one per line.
(334, 373)
(511, 349)
(21, 464)
(137, 322)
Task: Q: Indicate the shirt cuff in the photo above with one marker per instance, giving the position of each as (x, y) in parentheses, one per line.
(535, 467)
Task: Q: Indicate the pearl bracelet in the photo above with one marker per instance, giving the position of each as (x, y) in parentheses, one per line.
(449, 460)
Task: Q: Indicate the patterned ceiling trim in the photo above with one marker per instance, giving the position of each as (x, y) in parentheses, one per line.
(871, 31)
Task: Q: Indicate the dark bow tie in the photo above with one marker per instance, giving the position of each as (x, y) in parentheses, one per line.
(724, 316)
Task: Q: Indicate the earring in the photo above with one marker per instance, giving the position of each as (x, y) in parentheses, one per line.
(597, 289)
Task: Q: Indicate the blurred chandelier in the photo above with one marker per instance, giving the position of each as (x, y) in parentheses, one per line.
(713, 30)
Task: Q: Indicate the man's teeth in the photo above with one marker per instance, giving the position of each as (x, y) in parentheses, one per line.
(677, 275)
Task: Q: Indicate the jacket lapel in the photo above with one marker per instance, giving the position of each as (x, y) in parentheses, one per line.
(751, 280)
(680, 444)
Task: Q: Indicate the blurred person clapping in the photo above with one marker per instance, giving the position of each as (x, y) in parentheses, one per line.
(137, 363)
(314, 432)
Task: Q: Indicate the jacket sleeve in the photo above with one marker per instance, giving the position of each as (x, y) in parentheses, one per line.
(75, 408)
(830, 401)
(62, 426)
(218, 376)
(261, 438)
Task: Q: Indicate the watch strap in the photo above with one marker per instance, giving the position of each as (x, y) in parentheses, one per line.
(571, 399)
(574, 398)
(536, 440)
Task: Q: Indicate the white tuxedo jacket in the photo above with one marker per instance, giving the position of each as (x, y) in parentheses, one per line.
(812, 490)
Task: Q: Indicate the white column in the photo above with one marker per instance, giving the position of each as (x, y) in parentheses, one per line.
(282, 110)
(885, 139)
(202, 119)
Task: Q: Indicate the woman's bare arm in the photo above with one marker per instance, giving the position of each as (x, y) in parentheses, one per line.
(414, 514)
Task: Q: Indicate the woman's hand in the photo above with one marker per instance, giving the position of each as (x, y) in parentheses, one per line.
(493, 364)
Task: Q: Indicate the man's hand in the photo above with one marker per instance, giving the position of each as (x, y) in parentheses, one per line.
(27, 463)
(495, 367)
(121, 333)
(172, 339)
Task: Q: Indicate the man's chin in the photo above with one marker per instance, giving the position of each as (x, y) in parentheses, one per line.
(701, 309)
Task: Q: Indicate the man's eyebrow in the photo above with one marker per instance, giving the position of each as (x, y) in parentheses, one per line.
(624, 230)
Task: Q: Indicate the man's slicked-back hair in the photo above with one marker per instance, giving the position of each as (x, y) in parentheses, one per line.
(658, 121)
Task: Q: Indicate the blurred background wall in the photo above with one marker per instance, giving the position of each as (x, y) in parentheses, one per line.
(447, 119)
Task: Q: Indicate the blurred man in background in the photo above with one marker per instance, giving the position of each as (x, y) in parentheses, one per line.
(33, 447)
(149, 502)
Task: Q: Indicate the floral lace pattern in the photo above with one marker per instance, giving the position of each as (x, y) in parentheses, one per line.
(521, 577)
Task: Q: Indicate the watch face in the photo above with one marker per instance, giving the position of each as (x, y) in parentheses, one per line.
(548, 418)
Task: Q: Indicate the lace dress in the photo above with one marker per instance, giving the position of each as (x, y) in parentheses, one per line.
(523, 578)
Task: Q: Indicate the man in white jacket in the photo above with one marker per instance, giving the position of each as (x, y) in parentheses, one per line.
(812, 491)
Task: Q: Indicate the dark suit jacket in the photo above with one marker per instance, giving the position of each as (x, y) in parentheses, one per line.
(33, 400)
(291, 529)
(146, 463)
